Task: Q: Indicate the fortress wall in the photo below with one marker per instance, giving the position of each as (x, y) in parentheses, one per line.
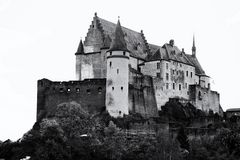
(92, 65)
(141, 95)
(205, 99)
(90, 94)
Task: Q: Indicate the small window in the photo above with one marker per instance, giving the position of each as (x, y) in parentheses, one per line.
(166, 65)
(110, 64)
(173, 85)
(167, 85)
(113, 88)
(186, 85)
(77, 90)
(122, 88)
(167, 76)
(110, 53)
(120, 112)
(99, 90)
(124, 53)
(158, 75)
(180, 87)
(88, 91)
(180, 65)
(191, 74)
(158, 65)
(199, 95)
(61, 89)
(177, 72)
(117, 71)
(187, 73)
(173, 71)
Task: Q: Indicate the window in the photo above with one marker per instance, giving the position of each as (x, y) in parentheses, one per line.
(186, 85)
(88, 91)
(173, 85)
(191, 74)
(166, 65)
(187, 73)
(68, 89)
(124, 53)
(180, 65)
(180, 87)
(113, 88)
(61, 89)
(110, 53)
(99, 90)
(158, 75)
(117, 71)
(199, 95)
(167, 76)
(167, 85)
(158, 65)
(110, 64)
(177, 72)
(122, 88)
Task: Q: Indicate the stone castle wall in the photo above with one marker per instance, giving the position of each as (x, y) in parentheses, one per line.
(141, 95)
(204, 98)
(90, 94)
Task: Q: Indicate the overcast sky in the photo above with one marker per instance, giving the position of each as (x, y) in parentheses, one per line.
(38, 40)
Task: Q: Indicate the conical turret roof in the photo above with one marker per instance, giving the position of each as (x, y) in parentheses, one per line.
(118, 43)
(80, 48)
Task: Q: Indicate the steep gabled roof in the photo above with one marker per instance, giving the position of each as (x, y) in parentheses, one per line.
(198, 67)
(136, 42)
(168, 52)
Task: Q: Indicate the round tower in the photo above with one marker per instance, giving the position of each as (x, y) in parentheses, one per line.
(117, 75)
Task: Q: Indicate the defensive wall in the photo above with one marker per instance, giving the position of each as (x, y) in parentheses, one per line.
(90, 94)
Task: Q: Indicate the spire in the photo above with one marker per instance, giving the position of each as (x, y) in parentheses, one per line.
(118, 43)
(80, 48)
(193, 47)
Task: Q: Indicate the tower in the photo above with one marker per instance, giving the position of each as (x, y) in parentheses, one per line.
(193, 47)
(117, 75)
(78, 54)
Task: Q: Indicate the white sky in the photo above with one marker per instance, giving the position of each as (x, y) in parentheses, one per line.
(38, 40)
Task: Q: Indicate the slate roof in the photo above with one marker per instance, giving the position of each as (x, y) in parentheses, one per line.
(168, 52)
(80, 49)
(118, 43)
(138, 46)
(136, 43)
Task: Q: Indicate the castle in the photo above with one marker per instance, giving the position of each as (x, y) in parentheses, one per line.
(119, 71)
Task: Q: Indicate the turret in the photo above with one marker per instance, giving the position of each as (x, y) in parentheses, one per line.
(79, 53)
(193, 48)
(117, 75)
